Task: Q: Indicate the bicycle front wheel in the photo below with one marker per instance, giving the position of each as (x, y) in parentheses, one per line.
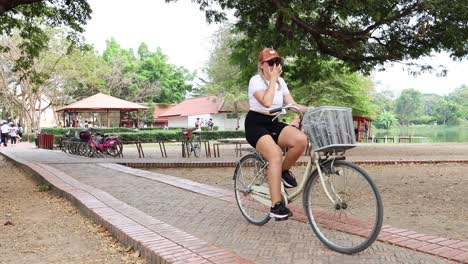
(352, 222)
(250, 172)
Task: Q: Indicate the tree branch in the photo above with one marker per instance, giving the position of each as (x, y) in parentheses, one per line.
(7, 5)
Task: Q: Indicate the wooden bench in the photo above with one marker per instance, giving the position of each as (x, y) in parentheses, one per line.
(384, 139)
(409, 138)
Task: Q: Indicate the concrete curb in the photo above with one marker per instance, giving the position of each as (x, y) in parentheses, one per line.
(219, 164)
(156, 241)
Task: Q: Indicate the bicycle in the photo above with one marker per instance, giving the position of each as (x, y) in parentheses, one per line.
(188, 144)
(337, 195)
(93, 142)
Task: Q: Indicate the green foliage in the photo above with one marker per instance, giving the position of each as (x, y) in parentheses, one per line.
(331, 84)
(147, 135)
(448, 112)
(414, 107)
(363, 34)
(147, 116)
(42, 187)
(408, 105)
(225, 79)
(32, 19)
(424, 120)
(327, 82)
(460, 96)
(385, 120)
(82, 73)
(147, 76)
(383, 102)
(62, 131)
(168, 135)
(429, 102)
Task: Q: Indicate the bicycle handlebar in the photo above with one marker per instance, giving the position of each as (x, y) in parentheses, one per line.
(275, 110)
(283, 110)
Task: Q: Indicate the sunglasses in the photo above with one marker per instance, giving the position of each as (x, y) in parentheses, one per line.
(274, 61)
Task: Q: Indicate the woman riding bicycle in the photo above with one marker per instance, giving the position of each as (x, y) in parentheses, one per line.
(267, 90)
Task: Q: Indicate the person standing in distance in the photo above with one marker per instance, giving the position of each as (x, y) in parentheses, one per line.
(267, 90)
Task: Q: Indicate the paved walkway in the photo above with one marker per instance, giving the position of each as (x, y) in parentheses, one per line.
(180, 221)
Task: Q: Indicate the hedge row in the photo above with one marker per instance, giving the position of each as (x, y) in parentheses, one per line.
(167, 135)
(62, 131)
(147, 136)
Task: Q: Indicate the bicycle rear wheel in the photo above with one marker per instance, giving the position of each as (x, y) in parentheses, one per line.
(251, 171)
(352, 223)
(115, 150)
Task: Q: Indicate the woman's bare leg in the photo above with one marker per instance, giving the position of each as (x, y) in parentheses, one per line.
(272, 153)
(296, 142)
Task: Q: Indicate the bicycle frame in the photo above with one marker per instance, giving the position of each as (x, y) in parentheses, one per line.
(330, 211)
(107, 143)
(190, 141)
(261, 193)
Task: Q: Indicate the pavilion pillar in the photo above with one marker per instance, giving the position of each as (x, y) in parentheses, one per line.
(137, 118)
(359, 129)
(75, 120)
(108, 118)
(128, 119)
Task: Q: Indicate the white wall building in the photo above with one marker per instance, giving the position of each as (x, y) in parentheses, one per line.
(186, 113)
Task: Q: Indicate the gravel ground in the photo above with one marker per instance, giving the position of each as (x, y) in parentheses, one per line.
(38, 227)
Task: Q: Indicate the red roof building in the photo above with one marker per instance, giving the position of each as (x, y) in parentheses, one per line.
(196, 106)
(186, 113)
(158, 111)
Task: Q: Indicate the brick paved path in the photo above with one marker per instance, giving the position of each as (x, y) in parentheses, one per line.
(214, 220)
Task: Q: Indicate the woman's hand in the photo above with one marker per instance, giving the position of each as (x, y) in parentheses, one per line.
(275, 72)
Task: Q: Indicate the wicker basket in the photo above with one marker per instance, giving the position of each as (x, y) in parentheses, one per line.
(330, 128)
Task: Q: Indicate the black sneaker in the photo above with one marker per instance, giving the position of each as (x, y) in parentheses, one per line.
(280, 212)
(288, 179)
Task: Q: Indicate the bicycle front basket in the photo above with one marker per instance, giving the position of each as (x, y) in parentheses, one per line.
(330, 128)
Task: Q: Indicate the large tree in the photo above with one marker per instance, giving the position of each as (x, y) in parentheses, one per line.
(361, 33)
(329, 82)
(409, 105)
(460, 96)
(31, 18)
(145, 76)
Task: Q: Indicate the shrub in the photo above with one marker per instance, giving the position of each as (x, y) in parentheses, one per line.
(145, 135)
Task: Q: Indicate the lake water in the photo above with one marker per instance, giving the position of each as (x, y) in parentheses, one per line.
(427, 134)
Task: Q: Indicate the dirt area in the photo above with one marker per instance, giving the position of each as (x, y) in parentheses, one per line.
(38, 227)
(425, 198)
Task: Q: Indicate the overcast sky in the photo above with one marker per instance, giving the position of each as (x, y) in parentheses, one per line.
(182, 33)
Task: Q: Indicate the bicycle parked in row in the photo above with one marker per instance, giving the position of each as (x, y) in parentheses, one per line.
(341, 201)
(90, 143)
(191, 142)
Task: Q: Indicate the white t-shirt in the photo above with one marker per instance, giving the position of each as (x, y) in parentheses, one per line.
(5, 128)
(13, 131)
(257, 84)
